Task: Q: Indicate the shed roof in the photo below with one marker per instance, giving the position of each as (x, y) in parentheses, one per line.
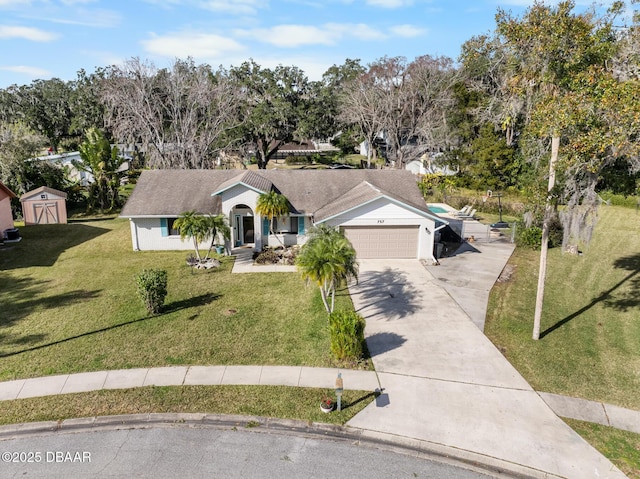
(43, 189)
(9, 193)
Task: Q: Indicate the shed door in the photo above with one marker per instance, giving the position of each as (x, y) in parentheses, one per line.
(45, 213)
(383, 241)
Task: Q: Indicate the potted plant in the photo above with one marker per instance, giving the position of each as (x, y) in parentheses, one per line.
(326, 405)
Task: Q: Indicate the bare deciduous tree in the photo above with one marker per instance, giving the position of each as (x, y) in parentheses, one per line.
(406, 102)
(361, 106)
(180, 115)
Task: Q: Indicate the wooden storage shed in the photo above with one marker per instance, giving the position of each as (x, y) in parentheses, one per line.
(44, 206)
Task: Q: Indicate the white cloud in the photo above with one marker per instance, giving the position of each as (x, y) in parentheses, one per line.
(13, 3)
(313, 68)
(407, 31)
(33, 72)
(76, 2)
(362, 31)
(27, 33)
(236, 7)
(88, 18)
(203, 46)
(390, 3)
(291, 36)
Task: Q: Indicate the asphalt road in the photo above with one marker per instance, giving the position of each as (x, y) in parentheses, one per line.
(188, 452)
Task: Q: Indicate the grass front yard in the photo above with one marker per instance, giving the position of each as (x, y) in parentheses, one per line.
(267, 401)
(590, 333)
(68, 304)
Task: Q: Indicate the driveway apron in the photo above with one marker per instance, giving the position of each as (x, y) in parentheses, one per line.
(445, 383)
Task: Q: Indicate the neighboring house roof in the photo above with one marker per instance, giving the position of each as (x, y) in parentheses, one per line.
(42, 189)
(9, 193)
(323, 193)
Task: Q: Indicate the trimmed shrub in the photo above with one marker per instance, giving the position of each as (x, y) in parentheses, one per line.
(532, 237)
(152, 289)
(346, 330)
(529, 237)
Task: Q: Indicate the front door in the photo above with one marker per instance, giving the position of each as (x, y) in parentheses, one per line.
(239, 231)
(247, 228)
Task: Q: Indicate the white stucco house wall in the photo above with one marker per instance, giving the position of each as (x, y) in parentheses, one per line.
(381, 212)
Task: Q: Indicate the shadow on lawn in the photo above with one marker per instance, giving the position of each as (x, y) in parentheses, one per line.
(630, 299)
(385, 293)
(41, 245)
(22, 296)
(170, 308)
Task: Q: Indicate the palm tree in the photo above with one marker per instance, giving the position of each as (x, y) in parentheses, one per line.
(217, 226)
(192, 224)
(102, 161)
(328, 259)
(271, 205)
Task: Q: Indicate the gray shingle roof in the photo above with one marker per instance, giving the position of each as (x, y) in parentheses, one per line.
(249, 178)
(172, 192)
(320, 192)
(364, 192)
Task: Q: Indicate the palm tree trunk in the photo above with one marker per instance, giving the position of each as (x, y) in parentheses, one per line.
(542, 273)
(333, 295)
(323, 294)
(195, 246)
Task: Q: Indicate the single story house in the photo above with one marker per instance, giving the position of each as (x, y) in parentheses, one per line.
(382, 212)
(6, 216)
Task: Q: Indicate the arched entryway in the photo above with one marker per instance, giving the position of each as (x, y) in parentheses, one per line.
(242, 223)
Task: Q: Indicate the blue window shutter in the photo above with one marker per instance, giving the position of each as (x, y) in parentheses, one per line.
(301, 225)
(164, 227)
(265, 226)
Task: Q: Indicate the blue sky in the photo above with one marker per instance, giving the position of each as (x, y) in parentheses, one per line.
(56, 38)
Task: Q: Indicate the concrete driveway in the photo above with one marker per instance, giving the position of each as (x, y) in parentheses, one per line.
(445, 384)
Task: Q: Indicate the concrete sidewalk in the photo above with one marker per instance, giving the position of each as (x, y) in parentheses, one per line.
(299, 376)
(446, 385)
(563, 406)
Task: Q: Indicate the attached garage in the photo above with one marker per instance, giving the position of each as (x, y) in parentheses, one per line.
(383, 241)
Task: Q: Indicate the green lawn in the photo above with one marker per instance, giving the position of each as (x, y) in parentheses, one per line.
(68, 304)
(621, 447)
(268, 401)
(590, 344)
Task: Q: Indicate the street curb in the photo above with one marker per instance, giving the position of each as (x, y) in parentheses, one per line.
(266, 425)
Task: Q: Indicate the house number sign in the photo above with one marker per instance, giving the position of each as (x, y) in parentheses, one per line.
(380, 221)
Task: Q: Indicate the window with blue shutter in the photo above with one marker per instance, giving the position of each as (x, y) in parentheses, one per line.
(301, 225)
(164, 227)
(265, 226)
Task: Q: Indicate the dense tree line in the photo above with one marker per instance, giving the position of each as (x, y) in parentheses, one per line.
(551, 74)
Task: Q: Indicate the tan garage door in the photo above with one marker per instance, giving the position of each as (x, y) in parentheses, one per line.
(383, 241)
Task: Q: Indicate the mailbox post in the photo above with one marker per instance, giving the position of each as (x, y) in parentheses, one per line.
(339, 390)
